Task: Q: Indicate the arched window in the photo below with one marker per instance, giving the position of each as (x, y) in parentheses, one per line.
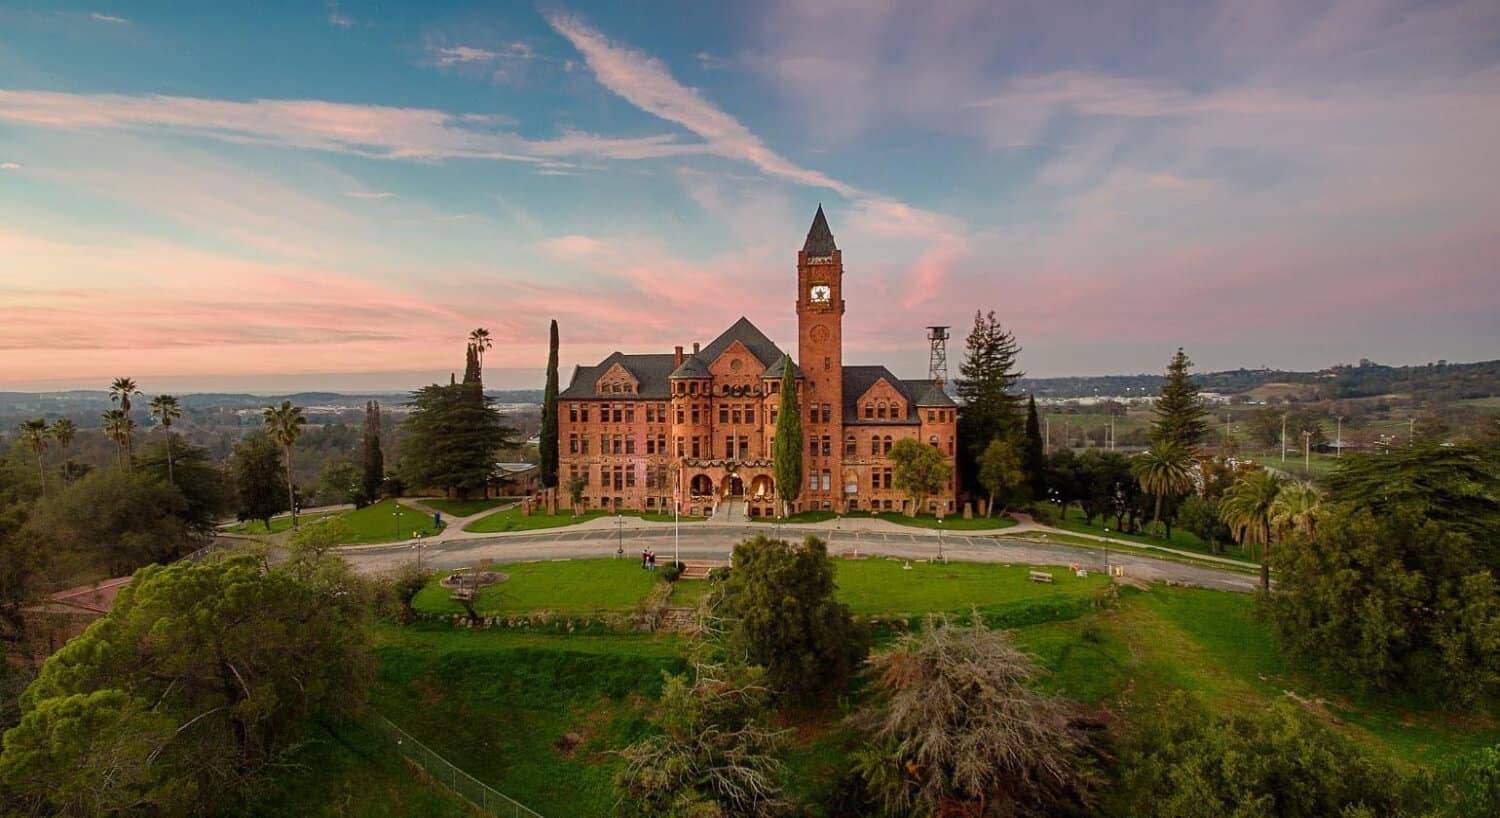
(851, 446)
(875, 445)
(869, 410)
(887, 444)
(880, 410)
(896, 410)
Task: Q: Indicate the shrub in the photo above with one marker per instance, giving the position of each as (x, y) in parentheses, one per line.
(1186, 763)
(672, 571)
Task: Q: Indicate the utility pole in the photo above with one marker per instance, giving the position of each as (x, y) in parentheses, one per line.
(1283, 437)
(1339, 440)
(1046, 434)
(1411, 430)
(1306, 452)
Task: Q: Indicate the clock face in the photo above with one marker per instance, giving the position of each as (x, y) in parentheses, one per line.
(820, 293)
(820, 333)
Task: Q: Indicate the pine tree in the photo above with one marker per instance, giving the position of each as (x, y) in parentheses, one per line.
(549, 415)
(1180, 415)
(1033, 457)
(452, 434)
(374, 458)
(988, 409)
(786, 449)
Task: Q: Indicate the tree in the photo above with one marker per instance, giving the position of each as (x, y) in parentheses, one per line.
(955, 726)
(780, 604)
(1035, 453)
(261, 489)
(199, 480)
(988, 408)
(1246, 509)
(1295, 510)
(479, 341)
(1179, 410)
(118, 428)
(1468, 785)
(339, 482)
(34, 432)
(115, 520)
(167, 410)
(549, 451)
(1002, 473)
(575, 486)
(374, 458)
(121, 391)
(1186, 763)
(1200, 515)
(63, 431)
(1164, 471)
(1390, 600)
(713, 754)
(1456, 485)
(284, 424)
(203, 676)
(452, 434)
(921, 470)
(786, 447)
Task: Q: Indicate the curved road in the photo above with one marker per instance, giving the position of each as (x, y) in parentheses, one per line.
(710, 541)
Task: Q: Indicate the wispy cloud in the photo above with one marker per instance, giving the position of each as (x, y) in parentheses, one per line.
(100, 17)
(337, 18)
(458, 54)
(10, 165)
(374, 131)
(367, 194)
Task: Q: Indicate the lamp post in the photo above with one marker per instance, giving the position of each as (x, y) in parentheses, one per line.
(397, 516)
(941, 558)
(1106, 551)
(619, 536)
(417, 547)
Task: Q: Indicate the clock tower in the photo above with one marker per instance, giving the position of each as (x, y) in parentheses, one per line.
(820, 356)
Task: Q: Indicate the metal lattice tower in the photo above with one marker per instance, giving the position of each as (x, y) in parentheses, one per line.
(937, 359)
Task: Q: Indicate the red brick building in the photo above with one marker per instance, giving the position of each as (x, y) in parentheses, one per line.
(635, 427)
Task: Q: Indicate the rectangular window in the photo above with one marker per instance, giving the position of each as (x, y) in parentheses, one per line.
(775, 387)
(812, 446)
(695, 414)
(583, 444)
(723, 413)
(573, 444)
(734, 414)
(695, 446)
(728, 448)
(812, 414)
(744, 447)
(630, 444)
(680, 448)
(773, 416)
(630, 413)
(749, 413)
(827, 413)
(619, 414)
(681, 416)
(630, 477)
(573, 412)
(827, 445)
(583, 413)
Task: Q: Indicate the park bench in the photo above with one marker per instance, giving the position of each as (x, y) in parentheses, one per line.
(1040, 576)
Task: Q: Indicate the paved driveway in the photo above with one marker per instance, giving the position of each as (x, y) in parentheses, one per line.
(709, 541)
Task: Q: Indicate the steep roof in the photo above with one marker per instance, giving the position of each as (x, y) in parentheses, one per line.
(918, 393)
(819, 237)
(651, 371)
(776, 370)
(929, 394)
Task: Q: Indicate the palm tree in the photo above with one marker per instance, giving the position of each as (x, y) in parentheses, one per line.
(1295, 510)
(284, 424)
(117, 426)
(480, 340)
(1164, 470)
(166, 409)
(63, 431)
(34, 432)
(120, 392)
(1246, 509)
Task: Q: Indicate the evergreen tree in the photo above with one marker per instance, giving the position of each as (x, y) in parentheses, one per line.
(1033, 454)
(786, 449)
(549, 414)
(452, 435)
(260, 484)
(1179, 410)
(374, 458)
(988, 409)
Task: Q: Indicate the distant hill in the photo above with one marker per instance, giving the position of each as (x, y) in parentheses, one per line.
(1440, 381)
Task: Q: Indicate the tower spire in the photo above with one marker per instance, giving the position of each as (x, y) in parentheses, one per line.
(819, 237)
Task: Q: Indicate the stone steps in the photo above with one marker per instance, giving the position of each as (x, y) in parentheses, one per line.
(698, 569)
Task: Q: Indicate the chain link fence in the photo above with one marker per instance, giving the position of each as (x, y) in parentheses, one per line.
(466, 786)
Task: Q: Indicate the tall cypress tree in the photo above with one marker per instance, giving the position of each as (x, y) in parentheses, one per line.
(549, 415)
(1032, 454)
(988, 409)
(1180, 415)
(786, 450)
(374, 458)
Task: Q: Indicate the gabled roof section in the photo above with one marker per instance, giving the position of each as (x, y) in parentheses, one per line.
(777, 369)
(692, 367)
(819, 237)
(651, 371)
(859, 379)
(746, 333)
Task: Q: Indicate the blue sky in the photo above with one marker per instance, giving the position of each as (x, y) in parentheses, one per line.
(330, 195)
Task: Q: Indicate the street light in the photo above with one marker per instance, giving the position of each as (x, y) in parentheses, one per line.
(397, 515)
(620, 536)
(1106, 551)
(417, 547)
(941, 558)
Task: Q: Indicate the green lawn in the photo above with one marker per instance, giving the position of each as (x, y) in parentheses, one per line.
(463, 508)
(687, 592)
(514, 519)
(955, 523)
(380, 523)
(818, 516)
(565, 586)
(278, 524)
(1181, 538)
(885, 586)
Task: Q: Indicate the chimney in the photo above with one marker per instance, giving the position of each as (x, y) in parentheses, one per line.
(677, 358)
(695, 347)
